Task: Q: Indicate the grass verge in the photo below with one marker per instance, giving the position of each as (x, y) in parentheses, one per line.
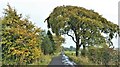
(80, 60)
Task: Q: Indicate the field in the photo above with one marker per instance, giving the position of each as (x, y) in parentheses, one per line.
(98, 59)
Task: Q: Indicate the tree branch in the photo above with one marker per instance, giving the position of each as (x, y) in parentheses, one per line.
(48, 24)
(71, 37)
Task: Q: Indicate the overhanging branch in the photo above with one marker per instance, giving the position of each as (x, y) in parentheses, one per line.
(71, 37)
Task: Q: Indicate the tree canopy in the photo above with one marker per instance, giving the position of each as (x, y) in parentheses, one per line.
(84, 26)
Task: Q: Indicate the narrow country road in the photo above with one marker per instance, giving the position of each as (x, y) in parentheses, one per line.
(56, 60)
(61, 61)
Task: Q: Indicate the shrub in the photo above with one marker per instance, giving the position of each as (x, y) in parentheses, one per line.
(20, 42)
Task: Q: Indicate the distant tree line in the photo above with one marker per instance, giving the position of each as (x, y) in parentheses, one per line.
(71, 48)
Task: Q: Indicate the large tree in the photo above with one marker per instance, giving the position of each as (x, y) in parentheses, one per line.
(84, 26)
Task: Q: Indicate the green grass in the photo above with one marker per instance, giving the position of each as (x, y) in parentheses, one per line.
(70, 53)
(80, 60)
(0, 58)
(46, 59)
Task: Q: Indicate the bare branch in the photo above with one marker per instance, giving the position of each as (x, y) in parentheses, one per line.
(71, 37)
(48, 24)
(47, 19)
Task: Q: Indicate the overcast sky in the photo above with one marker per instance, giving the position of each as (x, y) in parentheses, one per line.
(39, 10)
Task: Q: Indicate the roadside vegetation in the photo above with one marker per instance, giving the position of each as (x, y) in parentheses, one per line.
(95, 56)
(90, 31)
(24, 43)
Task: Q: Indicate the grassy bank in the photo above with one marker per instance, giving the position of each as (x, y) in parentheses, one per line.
(110, 58)
(46, 59)
(78, 60)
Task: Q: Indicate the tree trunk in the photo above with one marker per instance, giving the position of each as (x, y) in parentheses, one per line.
(77, 49)
(77, 43)
(83, 51)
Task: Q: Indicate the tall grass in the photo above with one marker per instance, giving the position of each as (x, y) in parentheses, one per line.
(80, 60)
